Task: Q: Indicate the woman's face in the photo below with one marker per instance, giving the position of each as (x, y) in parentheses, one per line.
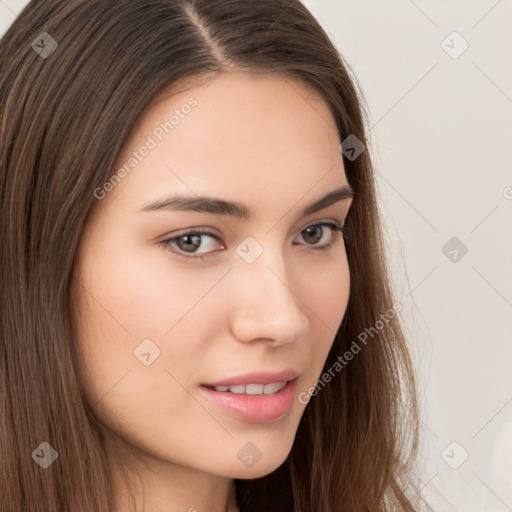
(159, 318)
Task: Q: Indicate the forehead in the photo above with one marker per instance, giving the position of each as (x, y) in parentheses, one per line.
(233, 134)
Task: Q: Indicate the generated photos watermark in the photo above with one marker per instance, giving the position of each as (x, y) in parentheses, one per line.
(355, 348)
(150, 143)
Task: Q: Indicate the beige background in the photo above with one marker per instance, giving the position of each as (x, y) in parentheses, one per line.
(441, 131)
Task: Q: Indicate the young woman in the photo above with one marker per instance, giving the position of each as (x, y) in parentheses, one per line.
(196, 313)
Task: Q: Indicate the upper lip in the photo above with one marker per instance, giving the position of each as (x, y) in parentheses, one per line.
(256, 378)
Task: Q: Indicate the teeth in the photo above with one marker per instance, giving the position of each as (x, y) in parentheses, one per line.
(253, 389)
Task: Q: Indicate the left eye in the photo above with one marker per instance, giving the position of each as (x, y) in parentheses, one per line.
(189, 242)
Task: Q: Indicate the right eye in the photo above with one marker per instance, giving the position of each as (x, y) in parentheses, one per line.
(189, 242)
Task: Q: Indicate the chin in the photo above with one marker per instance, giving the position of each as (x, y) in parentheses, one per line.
(251, 474)
(260, 469)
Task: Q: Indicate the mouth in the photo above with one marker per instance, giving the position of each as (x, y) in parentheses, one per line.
(255, 403)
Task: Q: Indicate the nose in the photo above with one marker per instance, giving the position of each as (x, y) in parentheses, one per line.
(265, 305)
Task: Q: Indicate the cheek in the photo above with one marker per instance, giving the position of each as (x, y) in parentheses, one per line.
(143, 293)
(137, 376)
(137, 308)
(325, 302)
(326, 291)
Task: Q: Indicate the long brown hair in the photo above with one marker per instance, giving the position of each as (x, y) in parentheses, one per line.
(67, 105)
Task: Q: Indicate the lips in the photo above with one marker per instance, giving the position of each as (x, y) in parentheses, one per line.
(259, 377)
(253, 407)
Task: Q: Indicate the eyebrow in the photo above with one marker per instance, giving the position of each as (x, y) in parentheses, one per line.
(217, 206)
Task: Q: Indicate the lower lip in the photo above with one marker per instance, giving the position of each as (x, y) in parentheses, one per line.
(254, 408)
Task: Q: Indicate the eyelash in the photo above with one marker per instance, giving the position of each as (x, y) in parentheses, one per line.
(167, 244)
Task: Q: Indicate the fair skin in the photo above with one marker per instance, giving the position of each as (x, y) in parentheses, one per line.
(271, 144)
